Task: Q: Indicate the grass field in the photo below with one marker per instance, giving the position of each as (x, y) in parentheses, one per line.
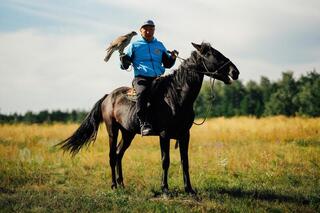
(236, 165)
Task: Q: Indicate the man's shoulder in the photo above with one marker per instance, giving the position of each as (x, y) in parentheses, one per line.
(139, 42)
(158, 43)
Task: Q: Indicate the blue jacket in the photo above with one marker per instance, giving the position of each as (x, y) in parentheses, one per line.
(148, 58)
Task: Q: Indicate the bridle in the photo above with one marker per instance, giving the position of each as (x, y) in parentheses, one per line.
(206, 68)
(212, 80)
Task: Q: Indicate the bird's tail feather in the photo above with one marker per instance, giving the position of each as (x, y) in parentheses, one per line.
(108, 56)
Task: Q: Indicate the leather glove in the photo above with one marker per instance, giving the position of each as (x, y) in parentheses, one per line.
(125, 61)
(173, 53)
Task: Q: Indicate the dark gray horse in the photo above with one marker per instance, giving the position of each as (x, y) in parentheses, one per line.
(170, 112)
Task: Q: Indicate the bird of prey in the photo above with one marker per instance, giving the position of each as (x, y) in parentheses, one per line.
(119, 44)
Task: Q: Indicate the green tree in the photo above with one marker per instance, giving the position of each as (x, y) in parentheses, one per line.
(203, 100)
(252, 102)
(281, 101)
(308, 98)
(29, 117)
(43, 117)
(232, 97)
(267, 88)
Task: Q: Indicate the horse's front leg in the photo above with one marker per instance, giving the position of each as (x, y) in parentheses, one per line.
(165, 158)
(184, 146)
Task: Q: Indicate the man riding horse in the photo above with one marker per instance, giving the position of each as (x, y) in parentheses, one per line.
(149, 59)
(172, 101)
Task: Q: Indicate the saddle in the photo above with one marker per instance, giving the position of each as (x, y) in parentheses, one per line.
(156, 84)
(131, 94)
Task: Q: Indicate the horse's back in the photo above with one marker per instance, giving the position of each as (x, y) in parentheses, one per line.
(118, 107)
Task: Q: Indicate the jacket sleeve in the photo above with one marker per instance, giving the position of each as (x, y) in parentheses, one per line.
(167, 60)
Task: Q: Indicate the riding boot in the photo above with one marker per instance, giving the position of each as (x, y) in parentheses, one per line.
(142, 86)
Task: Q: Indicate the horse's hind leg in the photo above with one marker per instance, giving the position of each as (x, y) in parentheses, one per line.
(122, 147)
(113, 131)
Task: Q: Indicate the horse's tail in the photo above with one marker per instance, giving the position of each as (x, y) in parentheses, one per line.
(86, 133)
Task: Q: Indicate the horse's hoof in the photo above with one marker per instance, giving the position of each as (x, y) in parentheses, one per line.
(114, 186)
(191, 192)
(165, 193)
(165, 196)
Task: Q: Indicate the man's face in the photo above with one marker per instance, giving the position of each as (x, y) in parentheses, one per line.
(147, 32)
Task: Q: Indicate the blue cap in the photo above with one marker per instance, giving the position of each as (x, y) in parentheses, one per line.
(148, 23)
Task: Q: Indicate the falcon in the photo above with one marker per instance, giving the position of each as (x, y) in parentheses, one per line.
(119, 44)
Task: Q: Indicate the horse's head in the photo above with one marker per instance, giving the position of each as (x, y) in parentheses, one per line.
(215, 64)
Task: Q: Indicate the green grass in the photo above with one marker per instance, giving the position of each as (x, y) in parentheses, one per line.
(230, 173)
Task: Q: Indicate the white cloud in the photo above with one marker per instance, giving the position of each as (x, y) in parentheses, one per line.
(63, 67)
(47, 71)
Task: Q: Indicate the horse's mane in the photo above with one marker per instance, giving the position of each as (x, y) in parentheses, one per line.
(171, 85)
(187, 69)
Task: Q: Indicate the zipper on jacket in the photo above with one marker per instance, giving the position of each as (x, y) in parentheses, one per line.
(151, 60)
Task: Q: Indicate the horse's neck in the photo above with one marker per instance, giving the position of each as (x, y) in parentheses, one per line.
(187, 81)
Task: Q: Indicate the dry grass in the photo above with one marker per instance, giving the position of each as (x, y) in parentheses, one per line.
(238, 164)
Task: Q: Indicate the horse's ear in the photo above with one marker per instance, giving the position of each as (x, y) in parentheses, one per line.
(197, 46)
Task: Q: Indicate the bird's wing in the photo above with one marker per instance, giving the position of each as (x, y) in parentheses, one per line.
(122, 39)
(117, 42)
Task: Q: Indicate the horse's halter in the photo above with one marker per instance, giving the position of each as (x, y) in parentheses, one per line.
(206, 68)
(212, 80)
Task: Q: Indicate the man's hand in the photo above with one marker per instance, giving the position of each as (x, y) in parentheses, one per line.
(122, 58)
(174, 53)
(125, 61)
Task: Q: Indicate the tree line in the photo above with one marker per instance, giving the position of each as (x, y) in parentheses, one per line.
(44, 116)
(287, 96)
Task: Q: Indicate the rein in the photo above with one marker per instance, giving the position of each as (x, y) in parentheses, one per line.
(212, 80)
(212, 97)
(206, 68)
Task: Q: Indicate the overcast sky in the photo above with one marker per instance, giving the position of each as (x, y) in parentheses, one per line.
(51, 52)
